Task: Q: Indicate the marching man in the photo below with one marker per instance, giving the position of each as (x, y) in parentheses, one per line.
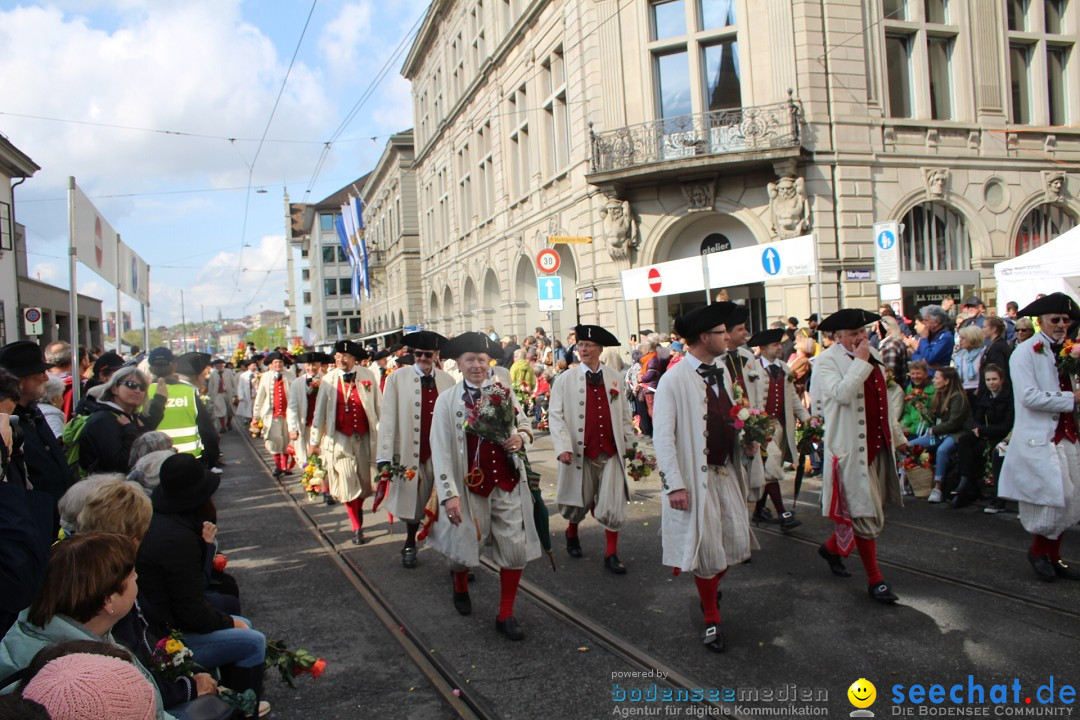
(221, 387)
(782, 405)
(592, 430)
(743, 369)
(480, 483)
(860, 440)
(271, 406)
(1042, 464)
(303, 392)
(408, 404)
(705, 529)
(343, 431)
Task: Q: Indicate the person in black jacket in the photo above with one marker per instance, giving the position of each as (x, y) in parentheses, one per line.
(993, 420)
(114, 421)
(170, 566)
(997, 352)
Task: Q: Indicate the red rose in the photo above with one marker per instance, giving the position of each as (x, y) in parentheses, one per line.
(496, 399)
(735, 411)
(366, 384)
(220, 561)
(318, 668)
(1038, 348)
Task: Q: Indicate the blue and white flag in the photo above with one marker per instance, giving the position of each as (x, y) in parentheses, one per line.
(361, 248)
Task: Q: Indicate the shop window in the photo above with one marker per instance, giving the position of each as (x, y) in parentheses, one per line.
(935, 238)
(1041, 225)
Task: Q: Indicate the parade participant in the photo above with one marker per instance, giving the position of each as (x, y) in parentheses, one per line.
(271, 406)
(222, 392)
(1042, 466)
(591, 429)
(301, 406)
(782, 405)
(343, 431)
(480, 483)
(381, 360)
(705, 529)
(860, 470)
(743, 368)
(408, 403)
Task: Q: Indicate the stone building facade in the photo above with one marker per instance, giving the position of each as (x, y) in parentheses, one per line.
(663, 129)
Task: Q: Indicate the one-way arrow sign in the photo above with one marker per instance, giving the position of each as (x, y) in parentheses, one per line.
(549, 293)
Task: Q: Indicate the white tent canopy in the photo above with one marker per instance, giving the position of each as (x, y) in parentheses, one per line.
(1053, 267)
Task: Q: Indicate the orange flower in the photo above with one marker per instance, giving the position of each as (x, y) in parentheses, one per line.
(410, 474)
(318, 668)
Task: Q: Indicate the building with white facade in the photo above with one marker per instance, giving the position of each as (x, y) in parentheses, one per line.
(14, 165)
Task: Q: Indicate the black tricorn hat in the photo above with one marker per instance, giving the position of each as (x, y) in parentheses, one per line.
(848, 319)
(321, 357)
(380, 355)
(108, 361)
(218, 361)
(185, 485)
(766, 337)
(1057, 302)
(192, 363)
(424, 340)
(350, 348)
(596, 334)
(23, 358)
(705, 318)
(474, 342)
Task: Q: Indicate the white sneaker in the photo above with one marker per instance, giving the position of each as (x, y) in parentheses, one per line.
(216, 470)
(935, 496)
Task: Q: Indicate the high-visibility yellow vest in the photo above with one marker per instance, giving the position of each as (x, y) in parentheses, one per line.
(179, 420)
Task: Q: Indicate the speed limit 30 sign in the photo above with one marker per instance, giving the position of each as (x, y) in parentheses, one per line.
(547, 261)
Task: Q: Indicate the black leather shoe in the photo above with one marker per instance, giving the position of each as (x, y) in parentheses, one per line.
(882, 592)
(763, 516)
(788, 522)
(966, 493)
(472, 578)
(573, 547)
(328, 499)
(836, 563)
(463, 603)
(358, 537)
(408, 557)
(612, 563)
(278, 472)
(713, 638)
(1043, 567)
(1064, 571)
(509, 627)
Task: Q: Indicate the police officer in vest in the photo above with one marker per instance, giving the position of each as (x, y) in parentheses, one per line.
(187, 421)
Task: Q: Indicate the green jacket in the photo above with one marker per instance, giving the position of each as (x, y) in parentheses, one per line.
(913, 422)
(955, 419)
(521, 372)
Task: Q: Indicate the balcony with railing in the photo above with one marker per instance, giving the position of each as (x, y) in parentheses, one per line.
(658, 148)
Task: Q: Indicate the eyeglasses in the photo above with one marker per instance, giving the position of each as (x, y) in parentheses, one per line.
(1062, 320)
(424, 353)
(1023, 330)
(132, 385)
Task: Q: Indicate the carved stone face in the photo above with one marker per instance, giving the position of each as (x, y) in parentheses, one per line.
(1055, 185)
(937, 183)
(786, 188)
(614, 211)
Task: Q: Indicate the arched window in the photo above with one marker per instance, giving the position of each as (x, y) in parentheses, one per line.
(935, 238)
(1044, 223)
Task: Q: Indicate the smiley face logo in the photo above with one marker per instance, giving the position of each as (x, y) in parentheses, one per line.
(862, 693)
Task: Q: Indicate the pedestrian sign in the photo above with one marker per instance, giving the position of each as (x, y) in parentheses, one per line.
(549, 290)
(887, 252)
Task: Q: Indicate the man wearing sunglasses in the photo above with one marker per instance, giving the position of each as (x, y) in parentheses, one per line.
(404, 430)
(1042, 465)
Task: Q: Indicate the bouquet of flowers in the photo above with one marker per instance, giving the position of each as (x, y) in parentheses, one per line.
(171, 659)
(809, 434)
(256, 428)
(919, 400)
(238, 355)
(524, 396)
(297, 349)
(396, 471)
(492, 416)
(756, 426)
(1068, 359)
(639, 463)
(915, 457)
(313, 476)
(292, 663)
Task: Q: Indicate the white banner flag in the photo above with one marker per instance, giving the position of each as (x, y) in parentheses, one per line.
(95, 240)
(666, 278)
(134, 274)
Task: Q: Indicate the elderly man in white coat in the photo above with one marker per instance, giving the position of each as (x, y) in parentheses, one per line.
(247, 385)
(271, 407)
(745, 372)
(303, 391)
(480, 482)
(343, 431)
(408, 404)
(1042, 464)
(221, 387)
(705, 528)
(860, 441)
(592, 430)
(782, 404)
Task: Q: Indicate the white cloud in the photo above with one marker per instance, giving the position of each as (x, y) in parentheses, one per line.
(346, 37)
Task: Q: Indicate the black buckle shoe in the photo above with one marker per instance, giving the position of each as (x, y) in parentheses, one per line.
(509, 627)
(408, 557)
(612, 563)
(278, 472)
(836, 563)
(358, 537)
(1043, 567)
(328, 499)
(573, 547)
(463, 603)
(1064, 571)
(883, 593)
(763, 516)
(788, 522)
(713, 638)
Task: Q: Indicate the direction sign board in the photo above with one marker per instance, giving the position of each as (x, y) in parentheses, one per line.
(887, 252)
(549, 291)
(32, 321)
(547, 261)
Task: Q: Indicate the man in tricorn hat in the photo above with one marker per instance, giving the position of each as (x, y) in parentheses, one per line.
(1042, 465)
(480, 482)
(271, 407)
(782, 404)
(592, 430)
(860, 439)
(302, 393)
(408, 404)
(343, 431)
(221, 387)
(705, 528)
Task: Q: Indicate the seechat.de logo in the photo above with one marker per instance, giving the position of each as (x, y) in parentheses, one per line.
(862, 694)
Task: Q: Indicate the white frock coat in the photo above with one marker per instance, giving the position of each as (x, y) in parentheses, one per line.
(324, 422)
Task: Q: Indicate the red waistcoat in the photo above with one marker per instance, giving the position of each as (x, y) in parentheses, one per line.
(352, 420)
(281, 400)
(1066, 426)
(599, 437)
(877, 414)
(718, 425)
(428, 396)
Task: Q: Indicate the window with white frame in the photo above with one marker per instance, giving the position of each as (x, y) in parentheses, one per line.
(422, 106)
(556, 120)
(464, 174)
(437, 91)
(1042, 35)
(444, 208)
(508, 14)
(457, 58)
(1044, 223)
(935, 238)
(694, 52)
(518, 117)
(485, 173)
(476, 32)
(921, 39)
(428, 230)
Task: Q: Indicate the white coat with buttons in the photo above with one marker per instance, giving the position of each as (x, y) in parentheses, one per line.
(839, 380)
(1032, 472)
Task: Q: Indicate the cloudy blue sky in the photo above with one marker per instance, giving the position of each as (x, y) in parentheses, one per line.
(210, 69)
